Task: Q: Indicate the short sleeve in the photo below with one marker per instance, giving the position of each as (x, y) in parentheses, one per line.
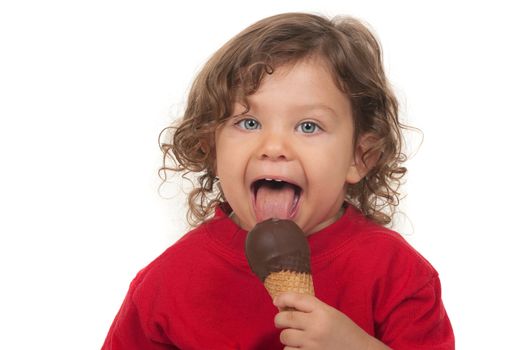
(418, 321)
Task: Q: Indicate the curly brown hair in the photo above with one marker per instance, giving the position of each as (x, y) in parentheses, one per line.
(236, 70)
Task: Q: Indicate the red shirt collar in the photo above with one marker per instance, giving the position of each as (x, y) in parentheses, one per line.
(230, 238)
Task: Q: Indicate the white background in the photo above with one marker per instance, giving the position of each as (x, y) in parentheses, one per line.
(86, 86)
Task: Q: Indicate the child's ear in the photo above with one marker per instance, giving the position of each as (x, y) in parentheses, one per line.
(359, 168)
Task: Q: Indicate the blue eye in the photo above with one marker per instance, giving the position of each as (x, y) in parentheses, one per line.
(309, 127)
(248, 124)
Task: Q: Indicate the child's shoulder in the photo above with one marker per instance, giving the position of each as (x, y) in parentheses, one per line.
(375, 235)
(195, 250)
(386, 248)
(178, 259)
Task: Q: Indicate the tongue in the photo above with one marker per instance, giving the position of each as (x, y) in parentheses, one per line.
(274, 202)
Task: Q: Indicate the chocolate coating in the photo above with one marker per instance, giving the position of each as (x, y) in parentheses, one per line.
(274, 245)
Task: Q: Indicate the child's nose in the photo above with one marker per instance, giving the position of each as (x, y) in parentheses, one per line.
(274, 146)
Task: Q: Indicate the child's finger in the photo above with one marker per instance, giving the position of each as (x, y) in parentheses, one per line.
(300, 302)
(291, 319)
(292, 338)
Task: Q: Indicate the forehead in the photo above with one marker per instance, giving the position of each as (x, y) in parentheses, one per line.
(303, 85)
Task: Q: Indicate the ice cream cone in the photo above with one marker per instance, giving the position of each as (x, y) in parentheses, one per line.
(279, 254)
(289, 281)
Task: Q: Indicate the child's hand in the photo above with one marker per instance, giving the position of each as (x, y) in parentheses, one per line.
(316, 325)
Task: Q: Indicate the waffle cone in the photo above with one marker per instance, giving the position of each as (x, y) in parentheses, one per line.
(289, 281)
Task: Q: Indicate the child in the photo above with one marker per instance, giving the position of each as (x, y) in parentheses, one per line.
(293, 118)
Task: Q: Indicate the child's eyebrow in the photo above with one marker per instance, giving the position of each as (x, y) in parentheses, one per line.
(315, 106)
(300, 107)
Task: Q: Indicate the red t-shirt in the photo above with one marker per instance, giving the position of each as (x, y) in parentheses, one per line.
(201, 294)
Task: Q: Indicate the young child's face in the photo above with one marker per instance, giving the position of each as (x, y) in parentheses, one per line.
(299, 130)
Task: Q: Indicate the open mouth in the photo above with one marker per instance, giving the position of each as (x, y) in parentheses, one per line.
(275, 198)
